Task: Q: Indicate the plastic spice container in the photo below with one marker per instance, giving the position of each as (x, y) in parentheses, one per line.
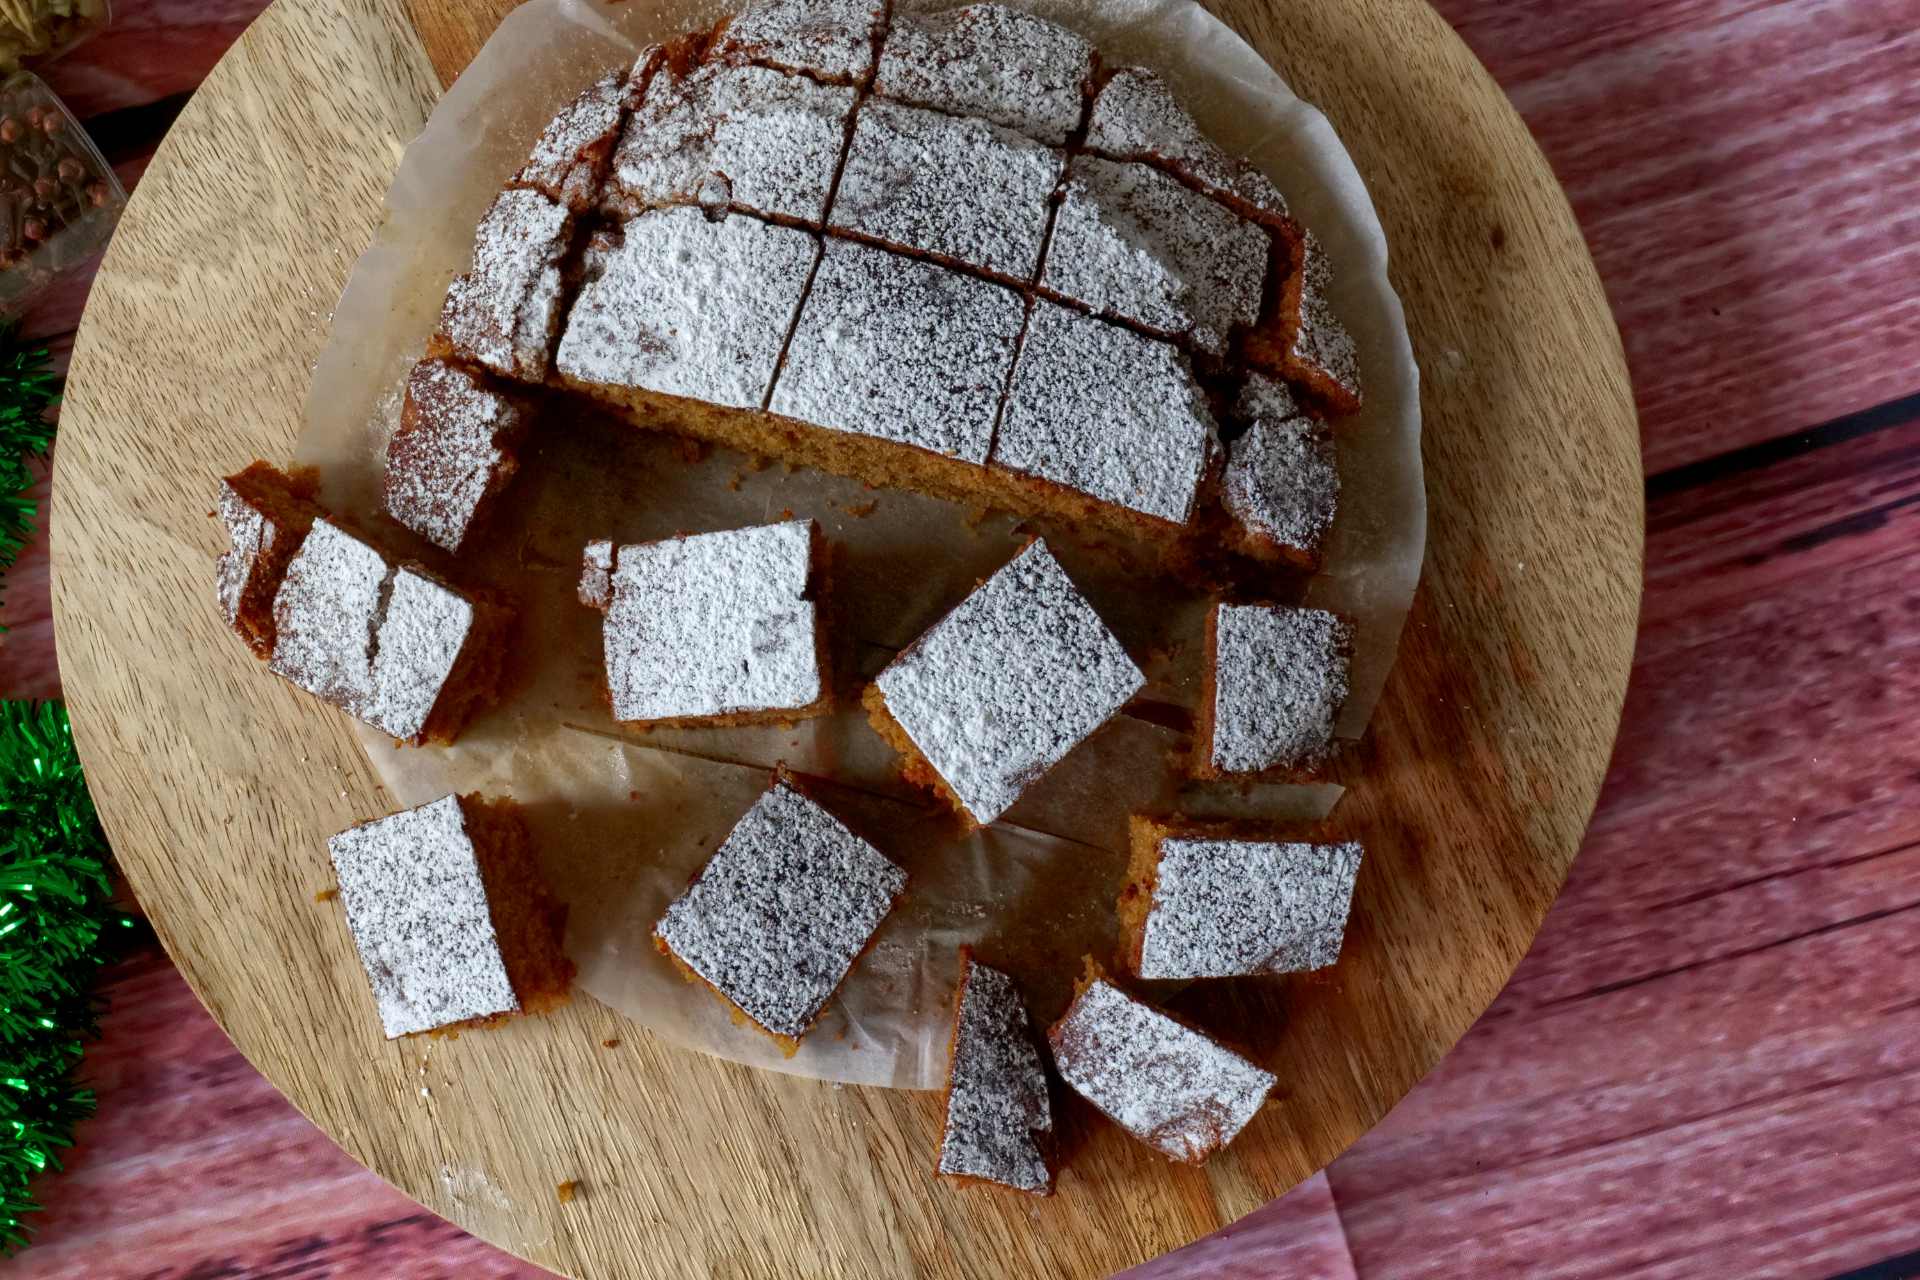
(59, 199)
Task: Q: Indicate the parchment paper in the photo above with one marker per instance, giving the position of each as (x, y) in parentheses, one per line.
(624, 817)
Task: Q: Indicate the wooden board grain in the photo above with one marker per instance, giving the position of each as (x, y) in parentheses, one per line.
(219, 785)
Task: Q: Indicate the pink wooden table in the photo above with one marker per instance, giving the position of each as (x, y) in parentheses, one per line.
(1709, 1066)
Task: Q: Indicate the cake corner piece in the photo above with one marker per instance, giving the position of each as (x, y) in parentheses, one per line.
(998, 1112)
(1274, 682)
(267, 513)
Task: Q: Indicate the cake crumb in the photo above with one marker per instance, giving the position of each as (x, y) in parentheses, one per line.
(733, 482)
(566, 1191)
(610, 1044)
(326, 895)
(861, 510)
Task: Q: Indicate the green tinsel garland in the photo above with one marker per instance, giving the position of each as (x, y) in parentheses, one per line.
(57, 920)
(58, 925)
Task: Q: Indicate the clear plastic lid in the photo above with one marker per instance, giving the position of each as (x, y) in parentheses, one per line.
(59, 199)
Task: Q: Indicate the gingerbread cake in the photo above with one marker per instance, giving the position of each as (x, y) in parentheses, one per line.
(453, 454)
(1181, 1093)
(382, 639)
(1274, 684)
(779, 915)
(449, 915)
(267, 513)
(1230, 899)
(715, 628)
(998, 1109)
(1280, 488)
(1003, 687)
(1027, 275)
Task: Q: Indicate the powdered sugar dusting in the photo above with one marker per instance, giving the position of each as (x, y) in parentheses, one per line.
(377, 643)
(417, 908)
(1002, 688)
(502, 313)
(570, 158)
(596, 575)
(251, 534)
(1280, 677)
(1136, 117)
(828, 38)
(688, 306)
(420, 638)
(449, 452)
(712, 624)
(997, 1090)
(782, 910)
(1166, 1084)
(902, 350)
(326, 615)
(773, 139)
(1131, 242)
(989, 61)
(1108, 412)
(1281, 482)
(1224, 908)
(1322, 341)
(960, 188)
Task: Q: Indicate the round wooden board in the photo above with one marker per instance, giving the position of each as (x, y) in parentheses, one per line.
(219, 785)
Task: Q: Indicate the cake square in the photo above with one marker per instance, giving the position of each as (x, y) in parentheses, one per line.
(1181, 1093)
(831, 39)
(1132, 243)
(1314, 347)
(1280, 486)
(1230, 899)
(448, 913)
(570, 159)
(1136, 117)
(986, 60)
(1002, 688)
(504, 311)
(267, 513)
(779, 915)
(998, 1109)
(901, 350)
(393, 647)
(714, 628)
(1275, 682)
(1106, 412)
(956, 188)
(686, 306)
(453, 453)
(746, 137)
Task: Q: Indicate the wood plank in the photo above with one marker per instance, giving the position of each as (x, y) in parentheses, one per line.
(1746, 175)
(1478, 846)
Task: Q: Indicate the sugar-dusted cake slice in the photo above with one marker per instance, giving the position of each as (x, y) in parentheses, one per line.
(715, 628)
(681, 305)
(1280, 485)
(998, 1109)
(267, 513)
(1228, 899)
(1275, 681)
(781, 912)
(504, 312)
(1099, 410)
(388, 644)
(1136, 117)
(1180, 1092)
(987, 60)
(571, 157)
(448, 911)
(960, 189)
(453, 453)
(1133, 243)
(830, 39)
(900, 350)
(721, 135)
(1003, 687)
(1304, 340)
